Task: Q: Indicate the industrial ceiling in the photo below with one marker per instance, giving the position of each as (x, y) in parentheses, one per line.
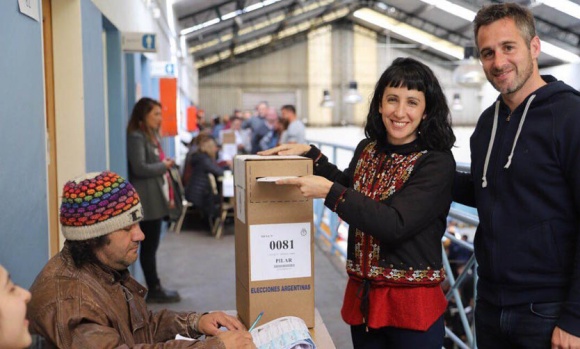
(223, 33)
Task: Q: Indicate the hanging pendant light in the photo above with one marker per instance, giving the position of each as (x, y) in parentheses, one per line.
(327, 101)
(456, 104)
(469, 73)
(352, 96)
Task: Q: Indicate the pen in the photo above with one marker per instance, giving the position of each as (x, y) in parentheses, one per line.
(256, 321)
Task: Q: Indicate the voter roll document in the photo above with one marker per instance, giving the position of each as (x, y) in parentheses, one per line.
(280, 251)
(287, 332)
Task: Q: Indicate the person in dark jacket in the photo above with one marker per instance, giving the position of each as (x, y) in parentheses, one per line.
(202, 163)
(148, 172)
(395, 196)
(525, 183)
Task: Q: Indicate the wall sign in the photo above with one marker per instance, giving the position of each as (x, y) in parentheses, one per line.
(139, 42)
(163, 69)
(29, 8)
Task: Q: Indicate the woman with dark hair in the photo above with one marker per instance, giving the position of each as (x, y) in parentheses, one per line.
(148, 173)
(395, 196)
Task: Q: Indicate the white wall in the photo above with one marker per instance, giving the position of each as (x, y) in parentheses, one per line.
(569, 73)
(280, 71)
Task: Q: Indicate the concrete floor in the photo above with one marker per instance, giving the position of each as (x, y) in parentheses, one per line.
(202, 269)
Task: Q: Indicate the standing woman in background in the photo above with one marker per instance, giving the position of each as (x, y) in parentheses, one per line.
(395, 196)
(147, 172)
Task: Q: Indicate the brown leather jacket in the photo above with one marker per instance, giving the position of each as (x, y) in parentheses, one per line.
(95, 307)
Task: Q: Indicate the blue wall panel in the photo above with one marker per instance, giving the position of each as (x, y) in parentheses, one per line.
(93, 73)
(146, 77)
(132, 66)
(23, 179)
(116, 100)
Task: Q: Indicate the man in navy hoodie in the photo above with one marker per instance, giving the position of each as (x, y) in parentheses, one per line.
(525, 183)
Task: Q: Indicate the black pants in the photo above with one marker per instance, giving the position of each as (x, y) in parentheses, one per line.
(147, 256)
(398, 338)
(518, 326)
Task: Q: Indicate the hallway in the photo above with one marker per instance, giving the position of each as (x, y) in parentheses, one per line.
(183, 261)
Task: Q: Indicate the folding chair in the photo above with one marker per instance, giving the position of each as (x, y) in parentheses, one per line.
(179, 192)
(226, 207)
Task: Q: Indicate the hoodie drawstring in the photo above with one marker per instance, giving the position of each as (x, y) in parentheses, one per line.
(490, 145)
(509, 162)
(493, 131)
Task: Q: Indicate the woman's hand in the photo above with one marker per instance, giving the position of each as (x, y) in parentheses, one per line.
(168, 163)
(287, 149)
(314, 187)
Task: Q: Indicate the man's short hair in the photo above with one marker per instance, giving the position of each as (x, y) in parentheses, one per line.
(523, 18)
(290, 108)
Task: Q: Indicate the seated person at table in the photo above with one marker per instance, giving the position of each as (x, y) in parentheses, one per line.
(201, 163)
(85, 297)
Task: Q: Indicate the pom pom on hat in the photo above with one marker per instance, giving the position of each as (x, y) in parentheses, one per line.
(97, 204)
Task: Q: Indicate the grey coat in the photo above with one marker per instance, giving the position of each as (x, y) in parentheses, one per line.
(146, 173)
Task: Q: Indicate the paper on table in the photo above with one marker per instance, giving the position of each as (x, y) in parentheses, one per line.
(287, 332)
(183, 338)
(273, 179)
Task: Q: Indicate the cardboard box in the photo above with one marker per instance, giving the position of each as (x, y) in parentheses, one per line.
(274, 240)
(229, 146)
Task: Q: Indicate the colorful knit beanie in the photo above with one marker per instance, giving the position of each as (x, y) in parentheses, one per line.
(97, 204)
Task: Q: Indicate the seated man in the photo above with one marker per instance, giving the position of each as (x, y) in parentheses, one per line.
(85, 298)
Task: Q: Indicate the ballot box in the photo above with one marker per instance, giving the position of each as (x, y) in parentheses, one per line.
(274, 239)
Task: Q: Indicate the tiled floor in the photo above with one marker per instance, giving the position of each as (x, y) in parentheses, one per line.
(202, 269)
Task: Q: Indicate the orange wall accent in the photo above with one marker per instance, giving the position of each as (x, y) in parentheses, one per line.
(168, 99)
(192, 118)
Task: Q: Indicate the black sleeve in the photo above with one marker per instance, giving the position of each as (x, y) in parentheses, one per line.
(326, 169)
(425, 196)
(212, 167)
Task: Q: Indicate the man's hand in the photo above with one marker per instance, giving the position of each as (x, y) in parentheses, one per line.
(287, 149)
(210, 324)
(315, 187)
(237, 339)
(564, 340)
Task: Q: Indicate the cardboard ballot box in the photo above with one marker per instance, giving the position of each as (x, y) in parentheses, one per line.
(274, 240)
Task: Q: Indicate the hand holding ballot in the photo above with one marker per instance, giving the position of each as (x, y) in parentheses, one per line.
(315, 187)
(287, 149)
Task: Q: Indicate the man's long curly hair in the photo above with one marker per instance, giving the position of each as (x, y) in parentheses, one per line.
(83, 252)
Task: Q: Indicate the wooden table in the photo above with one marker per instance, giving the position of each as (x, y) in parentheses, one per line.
(320, 333)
